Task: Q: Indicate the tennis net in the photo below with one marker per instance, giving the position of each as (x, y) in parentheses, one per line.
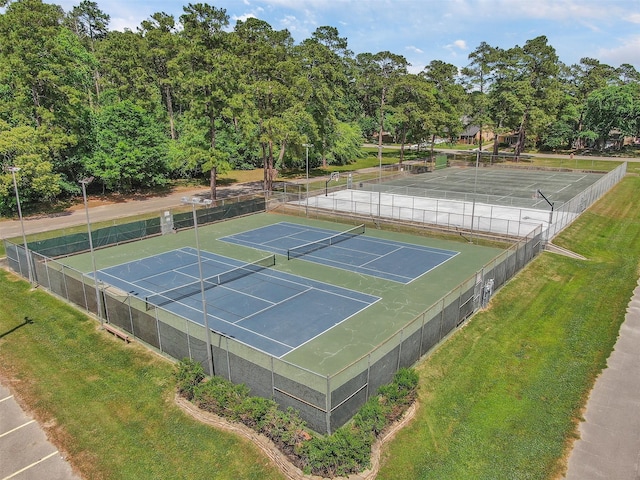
(301, 250)
(180, 293)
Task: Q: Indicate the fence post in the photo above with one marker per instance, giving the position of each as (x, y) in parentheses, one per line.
(186, 324)
(366, 397)
(400, 348)
(328, 405)
(228, 358)
(273, 381)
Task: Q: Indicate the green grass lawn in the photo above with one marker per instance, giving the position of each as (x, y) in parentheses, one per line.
(502, 397)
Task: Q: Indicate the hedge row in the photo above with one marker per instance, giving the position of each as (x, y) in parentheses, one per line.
(345, 452)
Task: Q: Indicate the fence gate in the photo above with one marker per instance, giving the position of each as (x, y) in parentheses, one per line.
(477, 291)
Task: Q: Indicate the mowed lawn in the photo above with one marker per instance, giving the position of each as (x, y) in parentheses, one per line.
(500, 399)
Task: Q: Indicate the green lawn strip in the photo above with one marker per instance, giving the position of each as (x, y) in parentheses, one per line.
(501, 398)
(109, 405)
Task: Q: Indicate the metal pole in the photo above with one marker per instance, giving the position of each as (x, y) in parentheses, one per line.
(475, 184)
(379, 175)
(84, 182)
(13, 171)
(193, 203)
(306, 146)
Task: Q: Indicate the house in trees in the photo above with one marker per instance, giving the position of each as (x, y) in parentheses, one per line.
(509, 138)
(471, 135)
(387, 137)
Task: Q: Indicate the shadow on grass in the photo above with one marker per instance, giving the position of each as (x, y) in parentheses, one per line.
(27, 321)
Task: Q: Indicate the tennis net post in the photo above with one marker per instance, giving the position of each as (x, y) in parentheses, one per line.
(310, 247)
(179, 293)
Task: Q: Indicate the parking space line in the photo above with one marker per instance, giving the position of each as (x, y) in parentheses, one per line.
(6, 398)
(29, 466)
(17, 428)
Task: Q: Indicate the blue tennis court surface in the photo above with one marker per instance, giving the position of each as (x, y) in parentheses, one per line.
(272, 311)
(396, 261)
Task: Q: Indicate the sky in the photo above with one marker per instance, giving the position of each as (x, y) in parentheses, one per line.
(426, 30)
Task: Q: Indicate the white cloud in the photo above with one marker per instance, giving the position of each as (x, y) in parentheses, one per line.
(416, 68)
(243, 18)
(456, 45)
(555, 10)
(634, 18)
(413, 49)
(627, 52)
(290, 22)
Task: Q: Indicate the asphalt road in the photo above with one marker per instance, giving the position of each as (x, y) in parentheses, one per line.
(109, 211)
(25, 451)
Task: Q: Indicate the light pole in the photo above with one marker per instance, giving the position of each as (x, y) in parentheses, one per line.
(380, 175)
(13, 171)
(475, 189)
(307, 146)
(193, 202)
(84, 182)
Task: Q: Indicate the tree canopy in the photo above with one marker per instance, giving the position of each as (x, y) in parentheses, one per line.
(194, 96)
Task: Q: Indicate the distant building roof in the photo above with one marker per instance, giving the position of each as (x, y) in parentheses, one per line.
(470, 131)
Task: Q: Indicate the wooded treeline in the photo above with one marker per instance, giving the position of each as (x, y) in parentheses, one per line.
(193, 97)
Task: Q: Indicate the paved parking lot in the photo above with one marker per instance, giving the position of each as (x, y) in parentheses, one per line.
(25, 452)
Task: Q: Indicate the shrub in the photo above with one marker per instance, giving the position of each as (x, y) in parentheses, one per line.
(372, 416)
(345, 452)
(253, 412)
(220, 396)
(286, 429)
(399, 394)
(188, 375)
(402, 390)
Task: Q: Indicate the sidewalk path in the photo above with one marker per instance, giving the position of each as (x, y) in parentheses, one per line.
(609, 444)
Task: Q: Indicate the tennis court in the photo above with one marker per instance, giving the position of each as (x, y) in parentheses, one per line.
(518, 187)
(273, 311)
(349, 250)
(504, 201)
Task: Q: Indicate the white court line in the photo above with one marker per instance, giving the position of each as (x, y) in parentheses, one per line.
(6, 398)
(29, 466)
(17, 428)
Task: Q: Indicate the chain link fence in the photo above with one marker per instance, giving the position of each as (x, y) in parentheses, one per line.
(370, 199)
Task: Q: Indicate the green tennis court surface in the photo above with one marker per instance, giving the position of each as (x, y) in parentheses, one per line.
(494, 186)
